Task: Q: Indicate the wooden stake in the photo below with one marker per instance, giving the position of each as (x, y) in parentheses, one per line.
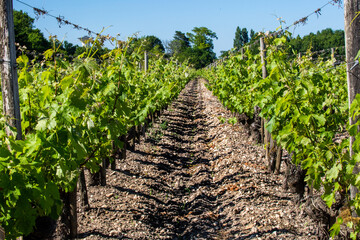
(146, 61)
(83, 190)
(123, 151)
(2, 234)
(73, 213)
(262, 131)
(352, 43)
(9, 79)
(267, 137)
(9, 82)
(114, 155)
(103, 167)
(278, 160)
(263, 57)
(137, 133)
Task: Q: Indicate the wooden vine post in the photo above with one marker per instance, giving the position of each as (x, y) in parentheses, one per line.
(352, 43)
(2, 234)
(273, 152)
(264, 75)
(73, 213)
(267, 137)
(146, 61)
(9, 80)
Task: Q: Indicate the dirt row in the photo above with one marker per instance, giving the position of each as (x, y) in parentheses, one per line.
(194, 176)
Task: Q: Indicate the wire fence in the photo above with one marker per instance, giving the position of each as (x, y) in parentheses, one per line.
(61, 19)
(301, 21)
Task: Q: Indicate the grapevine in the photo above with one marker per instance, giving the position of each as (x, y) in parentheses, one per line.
(305, 104)
(72, 114)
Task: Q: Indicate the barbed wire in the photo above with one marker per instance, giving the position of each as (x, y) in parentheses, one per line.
(317, 12)
(60, 19)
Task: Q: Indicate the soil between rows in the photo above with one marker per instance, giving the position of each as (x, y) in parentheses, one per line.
(194, 176)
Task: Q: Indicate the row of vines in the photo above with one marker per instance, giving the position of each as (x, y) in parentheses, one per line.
(73, 114)
(304, 104)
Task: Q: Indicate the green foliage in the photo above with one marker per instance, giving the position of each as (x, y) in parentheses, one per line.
(150, 44)
(324, 39)
(69, 48)
(305, 103)
(30, 37)
(242, 37)
(71, 114)
(26, 35)
(201, 54)
(179, 44)
(194, 48)
(224, 54)
(252, 35)
(202, 38)
(199, 58)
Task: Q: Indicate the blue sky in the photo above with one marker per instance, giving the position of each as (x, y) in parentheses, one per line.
(163, 17)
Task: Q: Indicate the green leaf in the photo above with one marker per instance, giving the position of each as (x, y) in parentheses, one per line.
(66, 82)
(305, 141)
(110, 89)
(41, 125)
(17, 146)
(270, 124)
(335, 229)
(320, 119)
(4, 152)
(357, 56)
(329, 155)
(357, 180)
(329, 199)
(305, 119)
(32, 144)
(333, 173)
(353, 130)
(79, 147)
(49, 53)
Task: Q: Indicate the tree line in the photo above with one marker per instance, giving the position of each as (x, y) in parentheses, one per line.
(321, 40)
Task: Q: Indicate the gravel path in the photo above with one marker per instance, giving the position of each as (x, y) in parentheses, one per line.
(194, 176)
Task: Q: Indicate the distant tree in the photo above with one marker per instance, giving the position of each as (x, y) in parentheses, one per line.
(201, 52)
(179, 44)
(245, 35)
(27, 35)
(69, 48)
(241, 37)
(199, 58)
(196, 47)
(252, 35)
(151, 44)
(238, 40)
(202, 38)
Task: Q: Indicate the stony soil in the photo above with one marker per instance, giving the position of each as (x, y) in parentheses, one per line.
(194, 176)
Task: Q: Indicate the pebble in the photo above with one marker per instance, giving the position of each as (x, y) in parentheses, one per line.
(109, 195)
(113, 233)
